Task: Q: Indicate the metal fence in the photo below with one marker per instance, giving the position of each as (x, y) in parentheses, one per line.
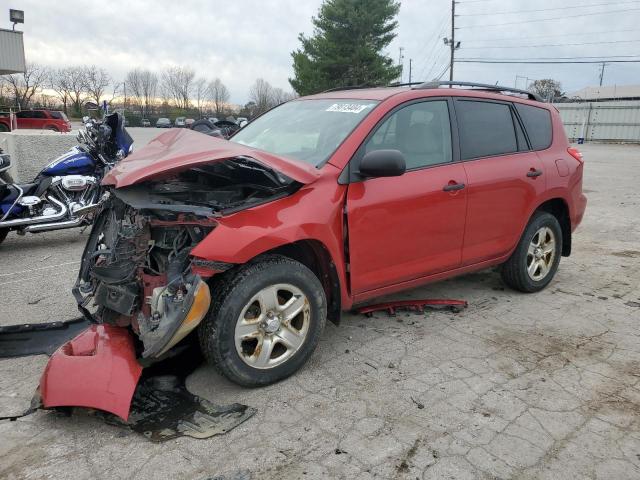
(617, 121)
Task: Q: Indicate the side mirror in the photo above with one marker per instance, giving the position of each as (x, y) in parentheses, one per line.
(383, 163)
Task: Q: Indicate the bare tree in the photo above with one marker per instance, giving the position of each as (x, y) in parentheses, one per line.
(134, 86)
(547, 88)
(280, 96)
(143, 85)
(264, 96)
(219, 95)
(201, 93)
(59, 83)
(177, 83)
(23, 86)
(77, 86)
(261, 93)
(97, 80)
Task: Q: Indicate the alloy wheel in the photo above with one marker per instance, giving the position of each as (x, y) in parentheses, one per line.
(272, 326)
(541, 254)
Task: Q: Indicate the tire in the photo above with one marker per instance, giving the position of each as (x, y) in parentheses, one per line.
(52, 128)
(519, 272)
(3, 234)
(231, 303)
(3, 128)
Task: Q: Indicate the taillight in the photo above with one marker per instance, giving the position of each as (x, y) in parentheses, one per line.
(575, 153)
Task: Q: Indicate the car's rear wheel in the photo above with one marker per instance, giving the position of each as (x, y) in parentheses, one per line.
(265, 321)
(535, 260)
(3, 234)
(3, 128)
(53, 128)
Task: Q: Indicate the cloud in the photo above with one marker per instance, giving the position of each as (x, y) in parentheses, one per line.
(242, 40)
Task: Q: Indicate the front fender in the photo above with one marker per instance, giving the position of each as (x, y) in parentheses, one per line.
(312, 213)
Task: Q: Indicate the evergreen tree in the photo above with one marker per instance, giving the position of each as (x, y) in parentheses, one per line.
(346, 46)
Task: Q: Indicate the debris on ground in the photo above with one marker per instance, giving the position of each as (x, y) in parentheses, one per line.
(38, 338)
(161, 408)
(416, 305)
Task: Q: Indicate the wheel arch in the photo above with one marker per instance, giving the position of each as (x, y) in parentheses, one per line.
(316, 257)
(559, 208)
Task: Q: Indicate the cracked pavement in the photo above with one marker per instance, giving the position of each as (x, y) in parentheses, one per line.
(516, 386)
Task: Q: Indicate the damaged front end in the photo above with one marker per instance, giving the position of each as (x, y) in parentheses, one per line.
(137, 274)
(137, 270)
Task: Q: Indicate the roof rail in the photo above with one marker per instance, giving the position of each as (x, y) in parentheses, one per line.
(406, 84)
(371, 85)
(482, 86)
(349, 87)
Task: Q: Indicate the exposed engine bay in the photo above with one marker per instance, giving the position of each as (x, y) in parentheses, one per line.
(136, 268)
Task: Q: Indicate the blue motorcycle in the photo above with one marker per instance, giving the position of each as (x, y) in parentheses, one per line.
(67, 191)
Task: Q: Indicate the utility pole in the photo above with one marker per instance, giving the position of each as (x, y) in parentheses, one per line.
(401, 63)
(602, 72)
(451, 42)
(410, 61)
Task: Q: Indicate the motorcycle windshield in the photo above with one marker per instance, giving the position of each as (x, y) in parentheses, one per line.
(124, 140)
(121, 137)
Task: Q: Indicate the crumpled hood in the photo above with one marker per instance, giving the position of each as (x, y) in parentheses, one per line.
(179, 149)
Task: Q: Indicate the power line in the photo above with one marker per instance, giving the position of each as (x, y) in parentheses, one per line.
(433, 43)
(553, 44)
(601, 57)
(564, 17)
(542, 62)
(446, 67)
(443, 55)
(572, 34)
(513, 12)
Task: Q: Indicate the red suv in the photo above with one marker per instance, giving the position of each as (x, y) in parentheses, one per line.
(38, 119)
(321, 203)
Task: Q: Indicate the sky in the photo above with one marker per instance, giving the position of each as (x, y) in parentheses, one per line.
(241, 40)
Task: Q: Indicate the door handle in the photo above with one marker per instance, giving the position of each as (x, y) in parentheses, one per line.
(533, 173)
(452, 187)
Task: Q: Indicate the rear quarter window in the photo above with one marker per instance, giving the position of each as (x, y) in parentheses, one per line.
(537, 123)
(486, 129)
(57, 115)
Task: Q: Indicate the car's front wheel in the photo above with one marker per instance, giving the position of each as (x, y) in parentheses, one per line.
(265, 321)
(535, 260)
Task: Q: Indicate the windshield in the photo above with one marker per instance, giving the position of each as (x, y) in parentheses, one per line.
(306, 130)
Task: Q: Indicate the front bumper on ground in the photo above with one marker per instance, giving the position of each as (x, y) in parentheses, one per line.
(97, 369)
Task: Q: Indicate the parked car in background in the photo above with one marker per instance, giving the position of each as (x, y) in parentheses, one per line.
(163, 123)
(180, 122)
(145, 123)
(221, 129)
(213, 119)
(189, 122)
(53, 120)
(325, 202)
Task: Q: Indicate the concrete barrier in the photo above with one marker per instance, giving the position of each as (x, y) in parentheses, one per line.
(31, 150)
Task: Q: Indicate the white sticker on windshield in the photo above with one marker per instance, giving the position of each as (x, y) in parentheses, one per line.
(347, 107)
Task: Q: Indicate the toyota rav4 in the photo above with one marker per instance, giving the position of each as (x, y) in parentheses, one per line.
(322, 203)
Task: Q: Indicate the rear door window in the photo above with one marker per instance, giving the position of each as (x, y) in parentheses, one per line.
(485, 128)
(537, 123)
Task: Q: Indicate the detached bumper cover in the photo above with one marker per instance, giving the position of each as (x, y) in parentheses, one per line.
(97, 369)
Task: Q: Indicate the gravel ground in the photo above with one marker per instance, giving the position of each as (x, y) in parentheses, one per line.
(517, 386)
